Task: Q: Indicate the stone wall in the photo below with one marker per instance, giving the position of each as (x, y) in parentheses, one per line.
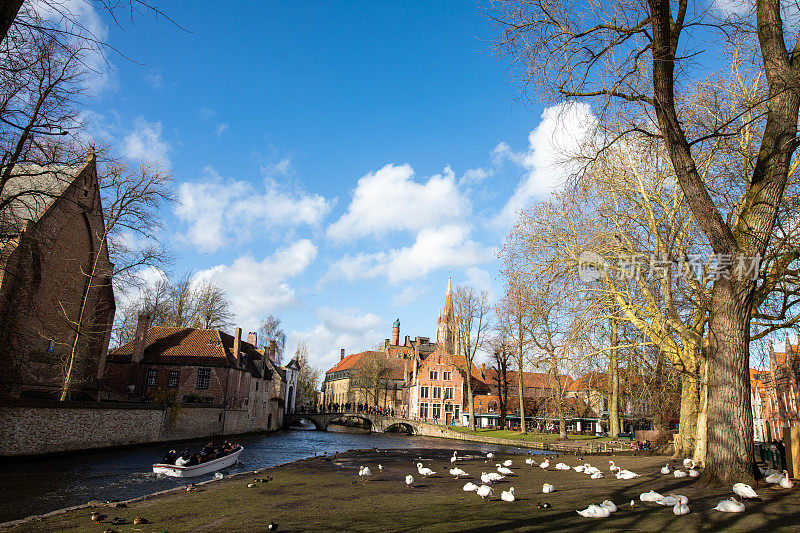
(29, 429)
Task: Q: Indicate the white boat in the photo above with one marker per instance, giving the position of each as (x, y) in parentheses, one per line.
(198, 470)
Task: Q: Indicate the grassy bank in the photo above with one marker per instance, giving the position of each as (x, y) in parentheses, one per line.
(326, 494)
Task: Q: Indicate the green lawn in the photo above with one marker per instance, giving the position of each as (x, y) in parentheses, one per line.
(533, 437)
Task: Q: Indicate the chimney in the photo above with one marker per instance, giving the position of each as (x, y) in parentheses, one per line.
(342, 357)
(396, 332)
(237, 341)
(252, 338)
(273, 346)
(139, 338)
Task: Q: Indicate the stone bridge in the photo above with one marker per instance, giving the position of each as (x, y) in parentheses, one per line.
(376, 423)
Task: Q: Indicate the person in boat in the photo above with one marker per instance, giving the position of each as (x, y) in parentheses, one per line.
(169, 458)
(208, 452)
(184, 459)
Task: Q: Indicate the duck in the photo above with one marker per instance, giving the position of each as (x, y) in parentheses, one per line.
(785, 482)
(544, 464)
(627, 474)
(139, 520)
(508, 495)
(409, 480)
(651, 496)
(680, 509)
(597, 475)
(612, 466)
(457, 472)
(665, 469)
(680, 473)
(562, 466)
(98, 517)
(530, 461)
(608, 504)
(744, 490)
(547, 488)
(484, 491)
(424, 471)
(595, 511)
(272, 526)
(507, 463)
(364, 472)
(380, 468)
(470, 487)
(505, 471)
(730, 506)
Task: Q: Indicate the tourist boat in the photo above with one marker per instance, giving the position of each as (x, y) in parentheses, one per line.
(198, 470)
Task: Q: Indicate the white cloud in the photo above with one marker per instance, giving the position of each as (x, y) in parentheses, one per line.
(336, 330)
(408, 296)
(475, 175)
(154, 80)
(390, 200)
(481, 280)
(221, 128)
(434, 248)
(143, 281)
(257, 288)
(145, 142)
(559, 135)
(217, 209)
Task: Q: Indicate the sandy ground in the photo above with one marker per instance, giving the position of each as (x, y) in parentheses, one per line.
(326, 494)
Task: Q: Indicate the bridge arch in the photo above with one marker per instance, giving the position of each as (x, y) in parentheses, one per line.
(366, 419)
(402, 426)
(319, 425)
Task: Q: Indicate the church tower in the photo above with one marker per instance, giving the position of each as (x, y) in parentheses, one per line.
(447, 330)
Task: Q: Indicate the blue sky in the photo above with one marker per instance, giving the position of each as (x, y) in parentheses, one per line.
(333, 161)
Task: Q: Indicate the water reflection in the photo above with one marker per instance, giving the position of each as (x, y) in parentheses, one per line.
(35, 486)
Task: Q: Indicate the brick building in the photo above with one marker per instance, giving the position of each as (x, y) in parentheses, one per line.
(56, 297)
(780, 406)
(372, 377)
(201, 366)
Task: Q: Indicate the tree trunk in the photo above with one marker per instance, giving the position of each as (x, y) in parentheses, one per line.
(8, 12)
(687, 426)
(521, 391)
(729, 457)
(701, 436)
(613, 371)
(469, 399)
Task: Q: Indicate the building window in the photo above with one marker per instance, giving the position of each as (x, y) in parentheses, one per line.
(447, 376)
(423, 392)
(437, 392)
(423, 410)
(152, 374)
(455, 415)
(172, 378)
(437, 411)
(448, 408)
(433, 375)
(448, 393)
(203, 378)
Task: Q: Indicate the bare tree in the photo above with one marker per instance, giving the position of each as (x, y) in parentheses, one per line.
(271, 330)
(309, 378)
(472, 322)
(634, 62)
(372, 377)
(502, 363)
(213, 307)
(515, 322)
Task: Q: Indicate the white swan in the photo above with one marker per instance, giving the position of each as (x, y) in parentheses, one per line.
(693, 473)
(503, 470)
(494, 477)
(612, 466)
(590, 470)
(680, 509)
(579, 468)
(409, 480)
(457, 472)
(454, 458)
(744, 490)
(470, 487)
(530, 461)
(775, 477)
(424, 471)
(651, 496)
(485, 478)
(364, 472)
(680, 473)
(608, 504)
(508, 495)
(490, 455)
(380, 468)
(547, 488)
(785, 482)
(544, 464)
(508, 462)
(484, 491)
(688, 463)
(668, 500)
(595, 511)
(597, 475)
(562, 466)
(665, 469)
(730, 506)
(627, 474)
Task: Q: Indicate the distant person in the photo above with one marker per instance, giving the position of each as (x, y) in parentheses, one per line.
(169, 458)
(184, 459)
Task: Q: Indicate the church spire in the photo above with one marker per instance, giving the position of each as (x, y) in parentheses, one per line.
(448, 299)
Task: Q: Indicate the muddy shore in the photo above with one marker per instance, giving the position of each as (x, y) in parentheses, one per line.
(326, 494)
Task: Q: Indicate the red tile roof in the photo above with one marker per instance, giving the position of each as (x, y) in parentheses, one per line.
(352, 360)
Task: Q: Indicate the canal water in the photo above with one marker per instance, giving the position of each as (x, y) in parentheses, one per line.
(36, 486)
